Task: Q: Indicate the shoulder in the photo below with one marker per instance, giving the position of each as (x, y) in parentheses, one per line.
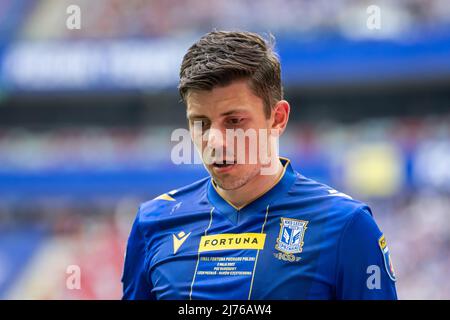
(347, 223)
(330, 203)
(188, 197)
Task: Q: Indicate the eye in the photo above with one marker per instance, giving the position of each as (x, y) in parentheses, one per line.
(235, 121)
(203, 122)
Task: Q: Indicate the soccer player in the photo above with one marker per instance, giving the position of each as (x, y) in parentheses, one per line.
(243, 232)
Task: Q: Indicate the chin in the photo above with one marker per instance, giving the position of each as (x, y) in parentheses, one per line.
(234, 180)
(229, 185)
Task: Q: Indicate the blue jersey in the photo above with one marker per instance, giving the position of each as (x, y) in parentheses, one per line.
(299, 240)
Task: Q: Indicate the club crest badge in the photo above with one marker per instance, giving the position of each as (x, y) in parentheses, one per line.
(290, 239)
(387, 258)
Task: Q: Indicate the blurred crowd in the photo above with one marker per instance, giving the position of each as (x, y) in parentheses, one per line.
(417, 228)
(411, 151)
(158, 18)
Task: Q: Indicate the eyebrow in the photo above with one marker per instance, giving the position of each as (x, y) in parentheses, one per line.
(195, 116)
(200, 116)
(234, 111)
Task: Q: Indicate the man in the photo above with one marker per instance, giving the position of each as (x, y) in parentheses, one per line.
(246, 232)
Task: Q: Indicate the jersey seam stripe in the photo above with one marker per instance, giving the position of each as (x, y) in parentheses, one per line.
(198, 255)
(146, 251)
(257, 254)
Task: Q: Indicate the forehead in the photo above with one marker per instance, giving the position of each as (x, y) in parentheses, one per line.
(219, 100)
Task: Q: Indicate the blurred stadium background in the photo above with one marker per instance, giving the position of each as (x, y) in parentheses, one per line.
(86, 118)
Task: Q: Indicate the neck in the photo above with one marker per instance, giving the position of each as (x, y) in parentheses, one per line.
(253, 189)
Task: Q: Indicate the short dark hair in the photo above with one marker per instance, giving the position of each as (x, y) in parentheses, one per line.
(220, 57)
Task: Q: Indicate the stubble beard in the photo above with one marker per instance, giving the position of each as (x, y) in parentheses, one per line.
(230, 183)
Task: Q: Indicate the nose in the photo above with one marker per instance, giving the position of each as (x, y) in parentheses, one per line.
(215, 138)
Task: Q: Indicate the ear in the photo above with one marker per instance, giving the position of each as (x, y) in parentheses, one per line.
(280, 116)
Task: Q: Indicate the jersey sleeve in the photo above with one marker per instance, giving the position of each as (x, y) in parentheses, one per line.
(136, 286)
(364, 269)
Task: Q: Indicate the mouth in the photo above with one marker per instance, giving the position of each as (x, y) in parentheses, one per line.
(225, 166)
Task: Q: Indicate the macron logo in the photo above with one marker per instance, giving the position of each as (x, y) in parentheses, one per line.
(178, 240)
